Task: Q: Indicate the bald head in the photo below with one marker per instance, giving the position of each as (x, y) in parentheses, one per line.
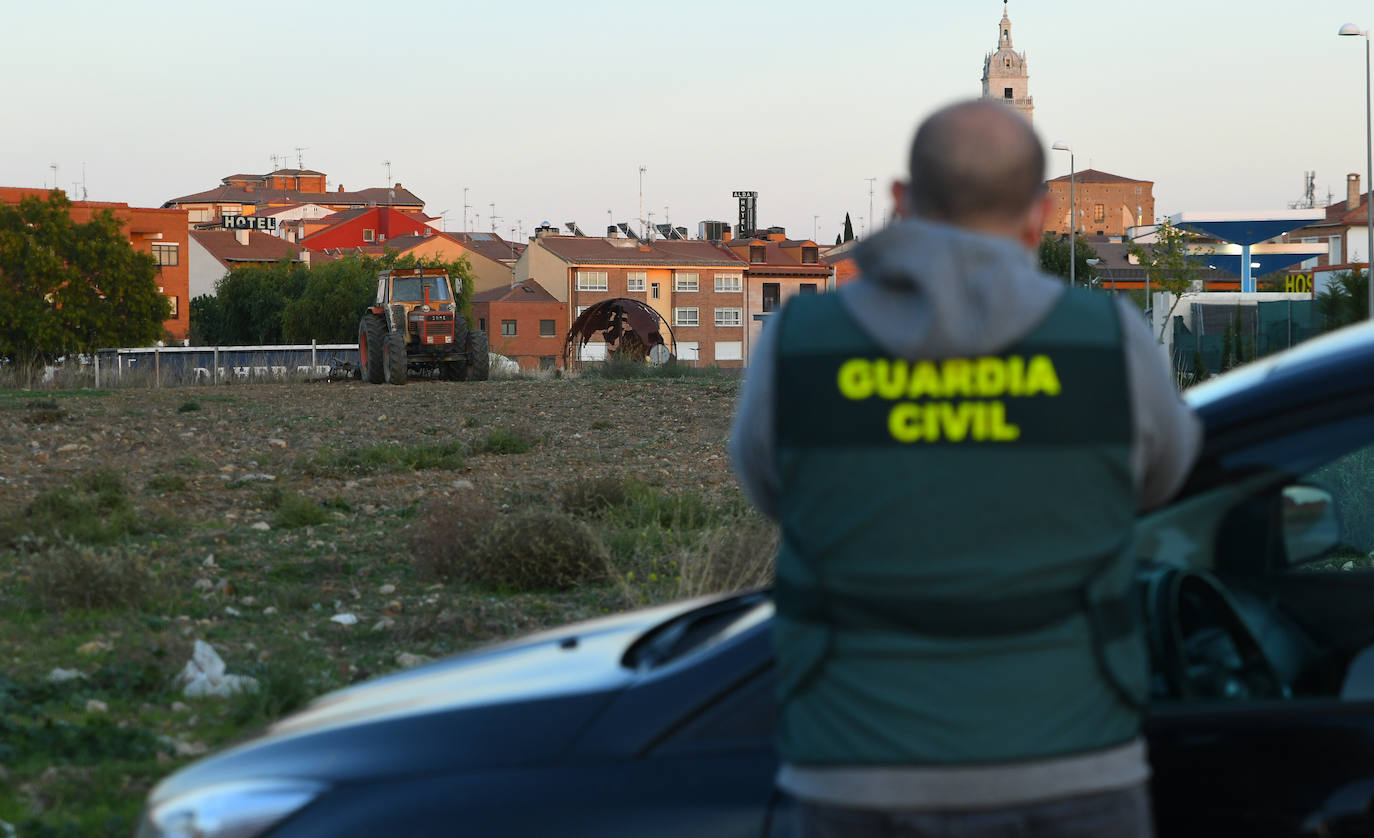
(975, 164)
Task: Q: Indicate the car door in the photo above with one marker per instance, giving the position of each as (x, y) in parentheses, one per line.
(1303, 764)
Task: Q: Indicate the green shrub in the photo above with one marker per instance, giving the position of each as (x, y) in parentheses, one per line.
(70, 575)
(298, 511)
(594, 495)
(375, 458)
(507, 441)
(189, 407)
(93, 509)
(447, 531)
(539, 551)
(164, 483)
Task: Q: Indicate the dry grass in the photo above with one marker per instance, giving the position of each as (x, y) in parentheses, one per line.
(76, 576)
(730, 558)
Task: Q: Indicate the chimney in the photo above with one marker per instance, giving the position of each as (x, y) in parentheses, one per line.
(242, 237)
(341, 187)
(612, 232)
(1352, 191)
(398, 186)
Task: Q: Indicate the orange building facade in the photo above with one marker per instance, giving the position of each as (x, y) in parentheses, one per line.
(161, 233)
(1107, 204)
(523, 322)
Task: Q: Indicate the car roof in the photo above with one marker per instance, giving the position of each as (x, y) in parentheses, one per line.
(1331, 367)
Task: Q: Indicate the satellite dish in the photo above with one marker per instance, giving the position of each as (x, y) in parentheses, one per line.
(659, 355)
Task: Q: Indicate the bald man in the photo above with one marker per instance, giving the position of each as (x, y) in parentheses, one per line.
(955, 448)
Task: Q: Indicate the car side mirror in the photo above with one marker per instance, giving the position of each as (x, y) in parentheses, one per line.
(1311, 523)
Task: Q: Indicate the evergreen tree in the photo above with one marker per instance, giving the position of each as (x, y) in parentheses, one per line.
(837, 240)
(848, 228)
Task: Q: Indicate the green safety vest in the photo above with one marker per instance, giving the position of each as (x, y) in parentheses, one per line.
(953, 582)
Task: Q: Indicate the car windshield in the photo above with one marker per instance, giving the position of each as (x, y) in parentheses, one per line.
(410, 289)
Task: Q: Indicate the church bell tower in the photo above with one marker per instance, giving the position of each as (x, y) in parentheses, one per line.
(1006, 77)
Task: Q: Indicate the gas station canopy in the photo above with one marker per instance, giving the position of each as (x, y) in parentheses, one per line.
(1245, 231)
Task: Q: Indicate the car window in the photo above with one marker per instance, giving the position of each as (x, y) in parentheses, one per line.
(1271, 510)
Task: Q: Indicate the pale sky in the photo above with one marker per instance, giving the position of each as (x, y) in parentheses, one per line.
(548, 109)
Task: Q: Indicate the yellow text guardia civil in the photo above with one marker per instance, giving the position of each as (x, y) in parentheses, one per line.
(982, 382)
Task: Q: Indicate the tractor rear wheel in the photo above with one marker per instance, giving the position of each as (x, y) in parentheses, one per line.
(395, 363)
(479, 355)
(370, 338)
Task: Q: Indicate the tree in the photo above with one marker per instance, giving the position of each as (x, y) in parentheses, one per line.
(207, 321)
(1344, 300)
(838, 241)
(252, 299)
(68, 287)
(848, 228)
(1054, 257)
(1168, 266)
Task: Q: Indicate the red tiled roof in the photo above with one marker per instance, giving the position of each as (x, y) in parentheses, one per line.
(489, 245)
(262, 247)
(1094, 176)
(774, 256)
(528, 291)
(380, 196)
(581, 250)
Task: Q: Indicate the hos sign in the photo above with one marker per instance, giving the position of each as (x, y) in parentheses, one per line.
(249, 222)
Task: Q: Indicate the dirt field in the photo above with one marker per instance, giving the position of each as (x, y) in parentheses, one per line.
(134, 522)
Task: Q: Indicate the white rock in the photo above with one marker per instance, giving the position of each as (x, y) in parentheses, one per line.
(232, 611)
(386, 589)
(277, 443)
(69, 447)
(209, 561)
(204, 675)
(407, 660)
(58, 676)
(269, 610)
(248, 601)
(577, 436)
(384, 624)
(204, 585)
(178, 707)
(95, 705)
(345, 619)
(261, 526)
(257, 477)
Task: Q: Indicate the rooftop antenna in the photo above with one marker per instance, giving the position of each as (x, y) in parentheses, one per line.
(273, 158)
(649, 232)
(493, 218)
(871, 181)
(443, 223)
(85, 196)
(299, 159)
(519, 229)
(53, 166)
(815, 227)
(642, 170)
(387, 164)
(466, 207)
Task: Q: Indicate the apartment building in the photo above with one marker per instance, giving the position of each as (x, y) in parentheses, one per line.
(697, 288)
(778, 268)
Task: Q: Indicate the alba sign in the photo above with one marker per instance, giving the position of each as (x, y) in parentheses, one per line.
(249, 222)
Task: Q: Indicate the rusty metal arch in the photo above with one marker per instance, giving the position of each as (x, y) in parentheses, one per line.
(621, 320)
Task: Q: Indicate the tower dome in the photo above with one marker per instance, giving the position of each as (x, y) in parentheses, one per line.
(1006, 75)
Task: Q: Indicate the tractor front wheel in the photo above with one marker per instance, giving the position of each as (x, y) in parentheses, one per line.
(371, 335)
(395, 361)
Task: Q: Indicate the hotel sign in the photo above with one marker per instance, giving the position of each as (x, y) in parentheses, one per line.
(249, 222)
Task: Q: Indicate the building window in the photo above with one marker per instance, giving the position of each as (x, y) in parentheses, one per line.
(581, 309)
(547, 362)
(369, 235)
(230, 212)
(1099, 213)
(729, 316)
(1335, 252)
(758, 254)
(634, 280)
(686, 282)
(591, 281)
(729, 350)
(811, 256)
(167, 255)
(688, 350)
(772, 297)
(685, 317)
(807, 288)
(729, 283)
(507, 328)
(175, 306)
(1006, 93)
(653, 291)
(199, 216)
(547, 329)
(482, 323)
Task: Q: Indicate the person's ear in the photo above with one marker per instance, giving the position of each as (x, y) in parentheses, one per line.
(899, 199)
(1033, 228)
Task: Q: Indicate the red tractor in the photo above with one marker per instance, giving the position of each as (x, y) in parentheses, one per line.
(415, 326)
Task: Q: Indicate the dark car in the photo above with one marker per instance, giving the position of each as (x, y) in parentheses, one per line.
(1257, 592)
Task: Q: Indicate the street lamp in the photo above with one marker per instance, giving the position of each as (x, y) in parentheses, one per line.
(1073, 218)
(1352, 29)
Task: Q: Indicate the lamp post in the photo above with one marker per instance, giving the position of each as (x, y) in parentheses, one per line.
(1352, 29)
(1073, 207)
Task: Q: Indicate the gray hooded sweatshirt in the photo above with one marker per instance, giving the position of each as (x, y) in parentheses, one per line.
(932, 291)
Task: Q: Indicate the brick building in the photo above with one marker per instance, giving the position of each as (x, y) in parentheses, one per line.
(1108, 205)
(161, 233)
(363, 227)
(1344, 231)
(697, 287)
(248, 194)
(778, 269)
(523, 322)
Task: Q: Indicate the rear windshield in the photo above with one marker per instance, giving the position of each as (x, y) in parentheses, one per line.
(407, 289)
